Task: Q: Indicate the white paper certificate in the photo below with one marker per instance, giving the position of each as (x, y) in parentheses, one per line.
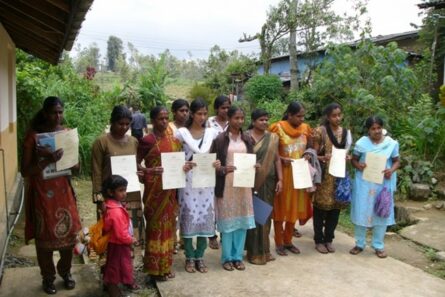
(173, 176)
(204, 172)
(244, 175)
(125, 166)
(375, 164)
(337, 164)
(69, 142)
(301, 174)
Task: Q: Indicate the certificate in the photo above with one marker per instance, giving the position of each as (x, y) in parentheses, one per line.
(125, 166)
(244, 174)
(47, 140)
(301, 174)
(337, 164)
(375, 164)
(203, 172)
(173, 176)
(69, 142)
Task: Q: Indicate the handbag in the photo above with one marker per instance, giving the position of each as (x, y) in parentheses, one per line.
(382, 206)
(343, 189)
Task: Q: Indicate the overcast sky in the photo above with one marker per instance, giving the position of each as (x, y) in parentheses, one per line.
(196, 25)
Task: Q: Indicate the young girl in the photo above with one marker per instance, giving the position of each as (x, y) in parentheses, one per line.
(197, 208)
(326, 208)
(118, 268)
(290, 204)
(234, 208)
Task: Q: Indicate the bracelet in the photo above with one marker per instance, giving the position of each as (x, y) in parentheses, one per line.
(223, 170)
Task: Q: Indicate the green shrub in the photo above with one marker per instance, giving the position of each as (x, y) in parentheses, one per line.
(262, 88)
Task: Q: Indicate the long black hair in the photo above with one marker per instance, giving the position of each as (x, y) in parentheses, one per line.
(120, 112)
(327, 112)
(293, 108)
(255, 115)
(112, 183)
(232, 110)
(38, 121)
(178, 103)
(196, 105)
(155, 111)
(373, 120)
(219, 101)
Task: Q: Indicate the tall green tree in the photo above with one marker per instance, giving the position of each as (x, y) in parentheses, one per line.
(115, 50)
(87, 57)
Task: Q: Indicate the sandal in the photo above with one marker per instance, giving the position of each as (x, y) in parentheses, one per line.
(239, 265)
(228, 266)
(381, 254)
(356, 250)
(269, 257)
(190, 266)
(171, 274)
(132, 287)
(297, 233)
(200, 266)
(281, 251)
(293, 249)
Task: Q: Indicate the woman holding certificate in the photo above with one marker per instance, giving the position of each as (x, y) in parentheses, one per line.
(268, 182)
(372, 185)
(329, 137)
(109, 145)
(234, 209)
(160, 206)
(50, 204)
(290, 204)
(197, 209)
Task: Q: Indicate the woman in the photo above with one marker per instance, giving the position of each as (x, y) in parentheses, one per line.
(326, 209)
(364, 193)
(218, 122)
(234, 209)
(160, 206)
(197, 209)
(116, 143)
(180, 111)
(268, 182)
(290, 205)
(51, 212)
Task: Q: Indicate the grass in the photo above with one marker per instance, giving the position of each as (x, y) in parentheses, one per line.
(437, 266)
(178, 88)
(344, 221)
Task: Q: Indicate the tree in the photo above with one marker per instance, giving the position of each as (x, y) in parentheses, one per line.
(432, 36)
(273, 29)
(88, 57)
(114, 52)
(222, 67)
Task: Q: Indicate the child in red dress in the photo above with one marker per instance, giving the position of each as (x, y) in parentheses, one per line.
(119, 268)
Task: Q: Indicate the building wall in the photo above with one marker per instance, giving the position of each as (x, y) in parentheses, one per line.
(8, 127)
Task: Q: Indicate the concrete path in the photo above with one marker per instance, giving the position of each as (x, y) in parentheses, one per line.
(24, 282)
(307, 274)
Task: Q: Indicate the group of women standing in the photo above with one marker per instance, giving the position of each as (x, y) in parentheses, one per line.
(202, 211)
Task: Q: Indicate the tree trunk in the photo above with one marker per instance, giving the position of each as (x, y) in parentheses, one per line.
(293, 48)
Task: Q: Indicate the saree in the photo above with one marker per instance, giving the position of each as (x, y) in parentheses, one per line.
(364, 193)
(51, 211)
(291, 204)
(160, 206)
(257, 241)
